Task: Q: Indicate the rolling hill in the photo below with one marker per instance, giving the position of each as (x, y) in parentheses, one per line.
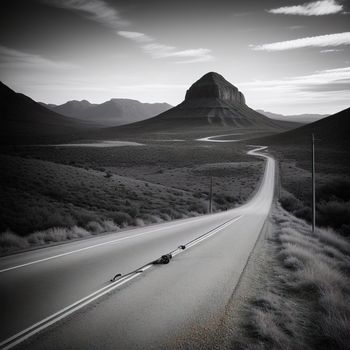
(117, 111)
(331, 131)
(211, 105)
(24, 121)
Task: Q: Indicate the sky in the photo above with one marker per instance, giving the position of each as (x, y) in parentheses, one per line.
(288, 57)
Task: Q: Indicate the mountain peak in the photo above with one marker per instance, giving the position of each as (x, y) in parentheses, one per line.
(212, 78)
(213, 85)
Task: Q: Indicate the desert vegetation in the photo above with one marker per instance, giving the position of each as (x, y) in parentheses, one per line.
(54, 194)
(302, 301)
(332, 186)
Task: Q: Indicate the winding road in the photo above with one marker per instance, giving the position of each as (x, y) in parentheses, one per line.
(61, 297)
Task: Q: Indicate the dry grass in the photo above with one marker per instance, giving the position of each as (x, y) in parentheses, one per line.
(98, 190)
(10, 241)
(306, 299)
(332, 185)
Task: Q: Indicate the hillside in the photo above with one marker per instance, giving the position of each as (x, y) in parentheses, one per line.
(211, 105)
(293, 151)
(62, 187)
(26, 121)
(117, 111)
(331, 131)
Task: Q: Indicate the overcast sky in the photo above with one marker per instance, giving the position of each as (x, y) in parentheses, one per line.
(285, 56)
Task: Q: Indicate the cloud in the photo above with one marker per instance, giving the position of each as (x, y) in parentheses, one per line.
(100, 11)
(316, 8)
(136, 36)
(315, 41)
(96, 10)
(190, 53)
(320, 91)
(328, 76)
(331, 50)
(157, 50)
(164, 51)
(326, 80)
(296, 27)
(14, 59)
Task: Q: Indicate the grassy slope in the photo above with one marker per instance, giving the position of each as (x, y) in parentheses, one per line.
(47, 194)
(297, 297)
(44, 187)
(332, 131)
(293, 150)
(332, 184)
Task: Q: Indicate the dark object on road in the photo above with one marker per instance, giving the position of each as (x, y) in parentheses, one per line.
(114, 278)
(183, 247)
(164, 259)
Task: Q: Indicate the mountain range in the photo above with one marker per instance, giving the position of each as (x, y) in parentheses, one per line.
(117, 111)
(26, 121)
(299, 118)
(211, 104)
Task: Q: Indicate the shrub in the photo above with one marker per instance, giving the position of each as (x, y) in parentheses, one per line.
(132, 211)
(334, 189)
(121, 218)
(290, 203)
(79, 232)
(9, 239)
(109, 225)
(94, 227)
(304, 213)
(139, 222)
(165, 216)
(303, 302)
(333, 213)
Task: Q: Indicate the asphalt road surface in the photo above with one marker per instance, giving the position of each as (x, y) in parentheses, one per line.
(61, 297)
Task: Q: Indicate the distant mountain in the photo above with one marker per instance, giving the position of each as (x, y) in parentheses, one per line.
(211, 104)
(299, 118)
(330, 131)
(26, 121)
(116, 111)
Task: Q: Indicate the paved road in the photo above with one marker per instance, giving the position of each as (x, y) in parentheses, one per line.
(160, 306)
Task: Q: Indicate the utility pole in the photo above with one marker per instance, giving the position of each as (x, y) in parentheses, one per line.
(211, 195)
(313, 183)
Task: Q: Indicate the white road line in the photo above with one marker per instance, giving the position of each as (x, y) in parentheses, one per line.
(48, 321)
(37, 327)
(94, 246)
(215, 231)
(68, 310)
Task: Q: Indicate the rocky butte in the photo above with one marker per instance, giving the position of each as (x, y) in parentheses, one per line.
(211, 103)
(213, 85)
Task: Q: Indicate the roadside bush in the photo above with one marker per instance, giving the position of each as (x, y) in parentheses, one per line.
(165, 216)
(109, 225)
(200, 207)
(334, 189)
(304, 213)
(290, 203)
(303, 300)
(122, 219)
(9, 239)
(332, 207)
(333, 213)
(94, 227)
(139, 222)
(79, 232)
